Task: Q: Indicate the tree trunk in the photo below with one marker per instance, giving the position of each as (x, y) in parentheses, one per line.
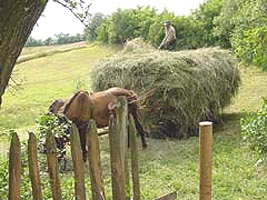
(17, 19)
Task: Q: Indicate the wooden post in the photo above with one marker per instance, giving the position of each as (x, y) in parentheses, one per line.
(77, 160)
(170, 196)
(118, 149)
(14, 168)
(205, 160)
(52, 162)
(97, 186)
(134, 159)
(33, 168)
(127, 177)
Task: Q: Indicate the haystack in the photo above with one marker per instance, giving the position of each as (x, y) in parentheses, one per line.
(176, 89)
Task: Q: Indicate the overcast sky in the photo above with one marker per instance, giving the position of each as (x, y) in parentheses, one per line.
(57, 19)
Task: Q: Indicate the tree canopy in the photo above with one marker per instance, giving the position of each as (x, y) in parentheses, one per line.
(193, 31)
(239, 25)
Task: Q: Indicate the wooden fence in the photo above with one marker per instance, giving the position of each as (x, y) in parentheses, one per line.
(120, 155)
(119, 127)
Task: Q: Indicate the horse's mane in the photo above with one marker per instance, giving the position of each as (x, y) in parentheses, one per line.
(70, 102)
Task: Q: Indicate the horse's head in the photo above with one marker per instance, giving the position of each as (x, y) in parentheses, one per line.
(78, 107)
(56, 106)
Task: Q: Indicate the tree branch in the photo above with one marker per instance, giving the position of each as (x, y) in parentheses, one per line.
(74, 6)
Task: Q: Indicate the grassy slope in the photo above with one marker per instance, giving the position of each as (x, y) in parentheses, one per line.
(166, 165)
(45, 79)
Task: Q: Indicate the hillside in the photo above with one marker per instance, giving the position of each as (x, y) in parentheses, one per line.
(44, 79)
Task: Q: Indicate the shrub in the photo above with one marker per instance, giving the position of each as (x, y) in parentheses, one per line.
(254, 130)
(3, 177)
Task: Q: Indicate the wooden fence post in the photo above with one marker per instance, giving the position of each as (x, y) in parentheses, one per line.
(170, 196)
(14, 168)
(96, 177)
(77, 160)
(33, 168)
(205, 160)
(134, 158)
(127, 177)
(52, 162)
(118, 149)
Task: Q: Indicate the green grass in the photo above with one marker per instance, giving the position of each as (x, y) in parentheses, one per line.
(253, 88)
(166, 165)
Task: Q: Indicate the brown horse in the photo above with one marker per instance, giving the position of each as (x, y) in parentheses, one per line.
(83, 106)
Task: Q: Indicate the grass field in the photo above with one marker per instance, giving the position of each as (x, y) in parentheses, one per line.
(166, 165)
(47, 78)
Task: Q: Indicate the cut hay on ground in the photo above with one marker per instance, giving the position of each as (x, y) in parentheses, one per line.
(176, 89)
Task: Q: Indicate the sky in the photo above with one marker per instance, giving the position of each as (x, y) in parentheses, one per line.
(57, 19)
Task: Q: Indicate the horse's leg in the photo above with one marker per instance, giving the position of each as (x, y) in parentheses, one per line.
(82, 128)
(139, 127)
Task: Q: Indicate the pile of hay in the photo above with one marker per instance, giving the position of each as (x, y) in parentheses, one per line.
(176, 89)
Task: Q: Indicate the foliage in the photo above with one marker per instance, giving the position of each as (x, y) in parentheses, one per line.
(189, 33)
(67, 38)
(243, 23)
(60, 38)
(79, 8)
(51, 123)
(102, 32)
(249, 45)
(156, 29)
(91, 31)
(31, 42)
(250, 35)
(204, 17)
(3, 177)
(224, 23)
(127, 24)
(193, 31)
(254, 130)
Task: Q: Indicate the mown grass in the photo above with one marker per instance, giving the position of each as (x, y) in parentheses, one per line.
(166, 165)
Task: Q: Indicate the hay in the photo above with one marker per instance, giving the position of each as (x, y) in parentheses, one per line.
(178, 89)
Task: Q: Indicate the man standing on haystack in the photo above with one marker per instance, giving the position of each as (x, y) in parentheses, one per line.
(169, 41)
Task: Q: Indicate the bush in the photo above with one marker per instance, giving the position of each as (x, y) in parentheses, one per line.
(254, 130)
(3, 177)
